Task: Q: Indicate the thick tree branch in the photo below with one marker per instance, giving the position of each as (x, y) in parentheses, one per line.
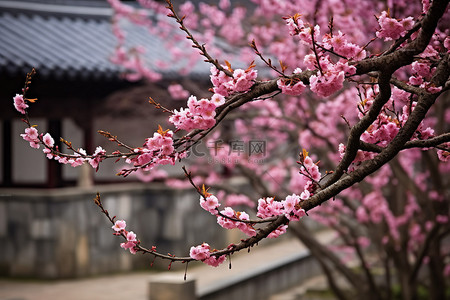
(432, 142)
(404, 56)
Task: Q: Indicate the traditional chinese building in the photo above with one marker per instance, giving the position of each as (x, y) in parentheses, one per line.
(79, 89)
(58, 232)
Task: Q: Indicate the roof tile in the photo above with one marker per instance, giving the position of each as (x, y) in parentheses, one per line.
(73, 46)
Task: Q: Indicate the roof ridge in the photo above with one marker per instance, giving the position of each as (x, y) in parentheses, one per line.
(47, 8)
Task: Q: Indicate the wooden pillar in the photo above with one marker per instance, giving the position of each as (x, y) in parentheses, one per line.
(7, 153)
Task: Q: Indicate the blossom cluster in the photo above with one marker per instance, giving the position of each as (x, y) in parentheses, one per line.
(177, 92)
(340, 45)
(19, 103)
(241, 81)
(330, 76)
(227, 218)
(78, 158)
(290, 207)
(158, 149)
(291, 87)
(199, 114)
(97, 157)
(210, 203)
(301, 29)
(35, 139)
(375, 208)
(203, 253)
(132, 242)
(31, 135)
(310, 171)
(444, 155)
(423, 71)
(392, 29)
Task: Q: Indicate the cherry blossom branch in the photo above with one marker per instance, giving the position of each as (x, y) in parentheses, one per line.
(331, 79)
(196, 44)
(387, 65)
(137, 246)
(432, 142)
(268, 62)
(315, 51)
(202, 194)
(332, 188)
(405, 55)
(358, 129)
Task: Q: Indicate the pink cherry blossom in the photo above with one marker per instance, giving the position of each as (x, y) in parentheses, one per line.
(177, 91)
(130, 245)
(131, 236)
(241, 81)
(214, 261)
(327, 84)
(210, 203)
(217, 100)
(447, 44)
(98, 156)
(243, 226)
(31, 135)
(119, 225)
(226, 222)
(268, 207)
(199, 115)
(442, 219)
(277, 232)
(48, 140)
(19, 103)
(291, 208)
(392, 29)
(291, 89)
(49, 155)
(235, 199)
(444, 155)
(200, 252)
(305, 195)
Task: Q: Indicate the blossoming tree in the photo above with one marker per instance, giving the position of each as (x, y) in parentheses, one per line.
(362, 85)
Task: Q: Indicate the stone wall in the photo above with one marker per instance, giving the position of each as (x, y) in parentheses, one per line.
(62, 234)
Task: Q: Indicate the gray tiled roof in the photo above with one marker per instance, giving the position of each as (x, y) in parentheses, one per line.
(72, 46)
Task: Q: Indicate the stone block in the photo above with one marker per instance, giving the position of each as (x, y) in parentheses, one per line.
(82, 255)
(171, 287)
(149, 223)
(23, 264)
(41, 229)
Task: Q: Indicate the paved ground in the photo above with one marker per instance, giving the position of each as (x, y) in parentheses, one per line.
(135, 286)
